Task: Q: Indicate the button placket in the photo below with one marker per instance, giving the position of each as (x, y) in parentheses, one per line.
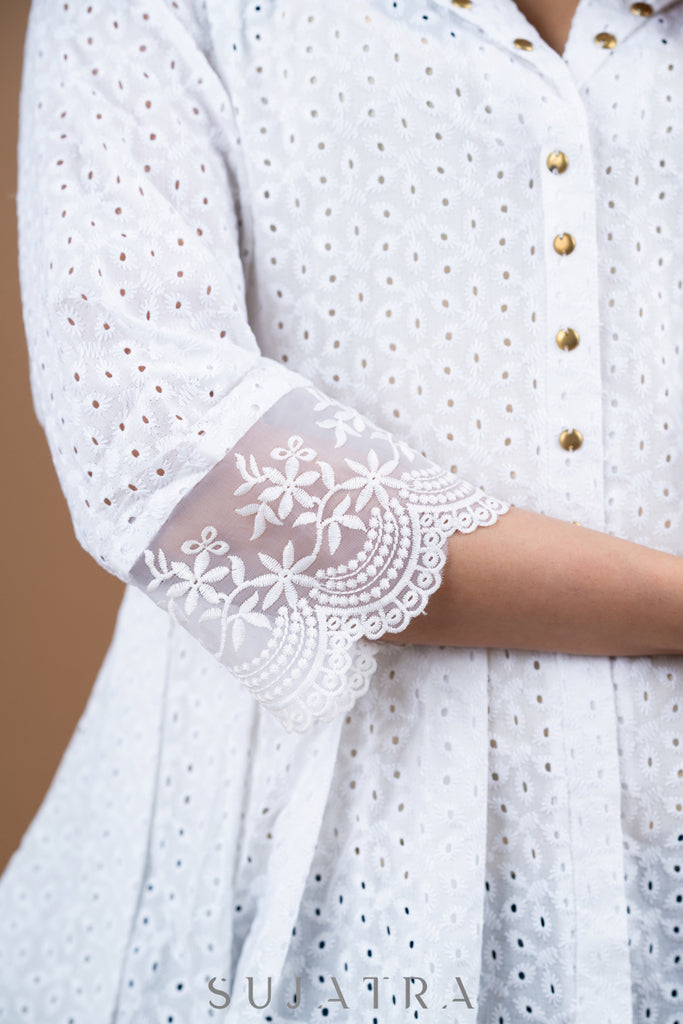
(575, 479)
(574, 403)
(574, 376)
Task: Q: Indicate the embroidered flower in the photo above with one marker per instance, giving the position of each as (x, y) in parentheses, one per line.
(285, 576)
(288, 487)
(370, 479)
(196, 581)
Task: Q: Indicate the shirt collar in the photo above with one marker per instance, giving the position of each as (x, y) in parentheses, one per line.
(599, 28)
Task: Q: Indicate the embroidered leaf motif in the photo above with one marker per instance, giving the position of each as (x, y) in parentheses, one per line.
(333, 537)
(370, 538)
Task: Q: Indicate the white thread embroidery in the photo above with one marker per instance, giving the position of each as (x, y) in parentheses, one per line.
(348, 551)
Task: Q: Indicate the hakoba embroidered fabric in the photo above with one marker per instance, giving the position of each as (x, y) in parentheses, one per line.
(283, 529)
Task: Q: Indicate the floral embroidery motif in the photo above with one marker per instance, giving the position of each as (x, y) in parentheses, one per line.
(351, 543)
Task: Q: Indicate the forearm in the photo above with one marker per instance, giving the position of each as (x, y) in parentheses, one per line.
(533, 582)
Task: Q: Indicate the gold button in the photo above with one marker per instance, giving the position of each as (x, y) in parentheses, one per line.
(606, 40)
(644, 10)
(564, 244)
(523, 44)
(567, 339)
(557, 162)
(571, 439)
(575, 522)
(461, 3)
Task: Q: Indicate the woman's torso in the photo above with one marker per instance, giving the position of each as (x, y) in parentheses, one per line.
(510, 818)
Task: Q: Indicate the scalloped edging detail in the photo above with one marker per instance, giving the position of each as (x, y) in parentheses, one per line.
(314, 701)
(349, 527)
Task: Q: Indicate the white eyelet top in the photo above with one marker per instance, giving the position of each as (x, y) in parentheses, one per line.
(308, 290)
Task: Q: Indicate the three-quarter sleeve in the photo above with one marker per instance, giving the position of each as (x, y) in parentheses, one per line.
(281, 528)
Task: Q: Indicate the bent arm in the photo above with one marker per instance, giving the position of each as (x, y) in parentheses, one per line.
(534, 582)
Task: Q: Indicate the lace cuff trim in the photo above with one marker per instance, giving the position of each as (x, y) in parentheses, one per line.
(348, 540)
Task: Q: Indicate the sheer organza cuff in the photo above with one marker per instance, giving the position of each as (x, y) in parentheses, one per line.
(313, 537)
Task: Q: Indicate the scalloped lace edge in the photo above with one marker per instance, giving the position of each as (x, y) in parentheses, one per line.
(357, 652)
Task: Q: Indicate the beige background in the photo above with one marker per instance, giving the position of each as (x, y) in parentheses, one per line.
(58, 606)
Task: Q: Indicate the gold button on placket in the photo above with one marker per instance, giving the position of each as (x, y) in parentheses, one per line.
(642, 10)
(564, 244)
(567, 339)
(606, 40)
(571, 439)
(557, 162)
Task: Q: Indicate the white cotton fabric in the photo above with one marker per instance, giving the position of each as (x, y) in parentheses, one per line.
(227, 211)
